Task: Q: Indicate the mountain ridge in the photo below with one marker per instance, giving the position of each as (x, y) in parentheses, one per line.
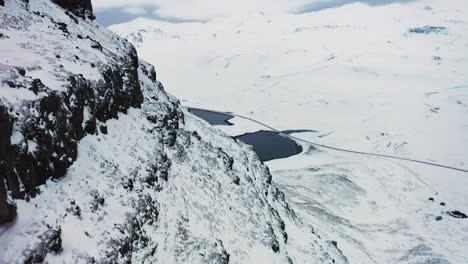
(104, 166)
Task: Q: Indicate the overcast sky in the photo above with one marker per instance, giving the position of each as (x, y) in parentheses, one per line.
(119, 11)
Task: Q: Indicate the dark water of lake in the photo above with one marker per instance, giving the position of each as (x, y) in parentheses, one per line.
(268, 145)
(214, 118)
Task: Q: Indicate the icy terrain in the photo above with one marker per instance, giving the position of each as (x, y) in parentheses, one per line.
(103, 166)
(389, 79)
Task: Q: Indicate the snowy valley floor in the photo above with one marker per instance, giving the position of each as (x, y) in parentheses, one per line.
(388, 79)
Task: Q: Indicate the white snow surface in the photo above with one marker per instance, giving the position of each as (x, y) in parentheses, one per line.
(201, 211)
(217, 204)
(366, 80)
(37, 45)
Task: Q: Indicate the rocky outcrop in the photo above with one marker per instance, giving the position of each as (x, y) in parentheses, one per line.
(6, 210)
(81, 8)
(51, 137)
(49, 243)
(2, 2)
(47, 130)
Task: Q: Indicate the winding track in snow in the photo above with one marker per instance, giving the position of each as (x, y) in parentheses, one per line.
(329, 147)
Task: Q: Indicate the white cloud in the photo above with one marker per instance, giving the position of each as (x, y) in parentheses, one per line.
(135, 10)
(104, 4)
(208, 9)
(201, 9)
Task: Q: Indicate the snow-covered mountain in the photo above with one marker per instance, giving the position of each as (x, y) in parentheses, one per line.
(100, 165)
(388, 79)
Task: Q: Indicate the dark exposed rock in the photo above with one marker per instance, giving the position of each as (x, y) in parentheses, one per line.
(37, 86)
(128, 184)
(236, 180)
(134, 236)
(431, 199)
(4, 210)
(11, 84)
(62, 114)
(50, 243)
(72, 17)
(160, 170)
(7, 210)
(103, 130)
(438, 218)
(21, 71)
(50, 136)
(457, 214)
(3, 36)
(171, 123)
(196, 135)
(95, 44)
(97, 201)
(63, 27)
(426, 30)
(80, 8)
(275, 246)
(76, 211)
(442, 203)
(90, 126)
(2, 2)
(37, 13)
(150, 72)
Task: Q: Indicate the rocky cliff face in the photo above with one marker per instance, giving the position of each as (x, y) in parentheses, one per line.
(7, 211)
(47, 133)
(104, 166)
(81, 8)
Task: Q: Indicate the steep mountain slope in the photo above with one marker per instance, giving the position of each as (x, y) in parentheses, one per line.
(388, 79)
(101, 165)
(58, 84)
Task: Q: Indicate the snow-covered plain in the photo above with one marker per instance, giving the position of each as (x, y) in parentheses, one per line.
(390, 79)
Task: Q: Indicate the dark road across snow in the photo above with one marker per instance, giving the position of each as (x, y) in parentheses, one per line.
(420, 161)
